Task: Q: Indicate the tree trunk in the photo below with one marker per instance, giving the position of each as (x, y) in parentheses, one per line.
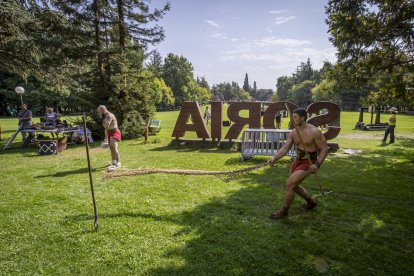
(121, 23)
(95, 7)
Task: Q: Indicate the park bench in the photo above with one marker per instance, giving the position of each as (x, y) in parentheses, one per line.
(154, 127)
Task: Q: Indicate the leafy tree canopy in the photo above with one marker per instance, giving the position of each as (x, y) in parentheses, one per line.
(375, 43)
(177, 73)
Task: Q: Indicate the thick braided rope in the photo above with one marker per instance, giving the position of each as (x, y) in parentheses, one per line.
(142, 171)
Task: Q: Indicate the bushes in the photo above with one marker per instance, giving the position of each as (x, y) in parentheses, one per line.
(133, 125)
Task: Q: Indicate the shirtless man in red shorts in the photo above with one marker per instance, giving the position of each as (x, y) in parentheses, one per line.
(310, 140)
(114, 135)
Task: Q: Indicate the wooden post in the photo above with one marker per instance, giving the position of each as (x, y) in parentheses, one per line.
(95, 211)
(147, 124)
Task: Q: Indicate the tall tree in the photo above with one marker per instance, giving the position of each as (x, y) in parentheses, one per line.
(283, 85)
(203, 82)
(301, 93)
(155, 63)
(373, 35)
(96, 45)
(303, 72)
(178, 74)
(246, 85)
(375, 43)
(263, 95)
(32, 39)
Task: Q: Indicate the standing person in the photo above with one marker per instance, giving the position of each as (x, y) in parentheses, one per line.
(114, 135)
(207, 115)
(25, 119)
(278, 118)
(309, 140)
(391, 126)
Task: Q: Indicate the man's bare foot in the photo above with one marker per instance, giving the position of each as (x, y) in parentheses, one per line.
(312, 203)
(282, 213)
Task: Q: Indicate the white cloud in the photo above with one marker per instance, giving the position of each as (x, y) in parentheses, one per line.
(236, 51)
(234, 39)
(218, 35)
(280, 20)
(288, 57)
(273, 41)
(277, 12)
(213, 23)
(317, 56)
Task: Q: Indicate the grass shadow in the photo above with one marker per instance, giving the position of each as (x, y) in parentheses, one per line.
(86, 217)
(233, 234)
(198, 146)
(72, 172)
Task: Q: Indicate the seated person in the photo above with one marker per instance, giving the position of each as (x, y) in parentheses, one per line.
(51, 117)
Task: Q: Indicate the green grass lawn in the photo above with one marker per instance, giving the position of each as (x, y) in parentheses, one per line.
(198, 225)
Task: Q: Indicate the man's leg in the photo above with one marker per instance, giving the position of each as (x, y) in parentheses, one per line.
(302, 192)
(24, 135)
(392, 134)
(113, 146)
(387, 131)
(293, 181)
(311, 203)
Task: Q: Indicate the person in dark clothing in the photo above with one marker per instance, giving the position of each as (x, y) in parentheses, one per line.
(391, 127)
(25, 119)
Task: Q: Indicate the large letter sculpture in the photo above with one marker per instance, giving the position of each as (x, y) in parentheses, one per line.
(233, 112)
(216, 118)
(272, 110)
(190, 111)
(331, 117)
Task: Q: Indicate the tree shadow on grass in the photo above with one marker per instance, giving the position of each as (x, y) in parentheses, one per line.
(234, 235)
(72, 172)
(399, 141)
(86, 217)
(198, 146)
(30, 151)
(14, 150)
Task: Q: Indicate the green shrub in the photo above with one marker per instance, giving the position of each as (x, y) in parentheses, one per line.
(132, 125)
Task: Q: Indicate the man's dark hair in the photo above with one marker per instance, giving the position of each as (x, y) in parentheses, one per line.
(301, 112)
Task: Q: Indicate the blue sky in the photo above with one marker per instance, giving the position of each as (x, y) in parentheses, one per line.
(264, 38)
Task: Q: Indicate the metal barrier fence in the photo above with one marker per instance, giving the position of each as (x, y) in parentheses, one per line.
(264, 142)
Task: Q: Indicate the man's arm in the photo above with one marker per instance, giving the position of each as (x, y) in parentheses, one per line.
(322, 146)
(107, 121)
(282, 152)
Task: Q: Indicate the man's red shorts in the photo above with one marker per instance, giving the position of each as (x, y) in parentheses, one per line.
(300, 165)
(116, 134)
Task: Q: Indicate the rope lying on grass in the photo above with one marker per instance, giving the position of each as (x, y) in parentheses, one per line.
(142, 171)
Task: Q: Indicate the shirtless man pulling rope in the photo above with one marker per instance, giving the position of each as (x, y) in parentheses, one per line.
(309, 140)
